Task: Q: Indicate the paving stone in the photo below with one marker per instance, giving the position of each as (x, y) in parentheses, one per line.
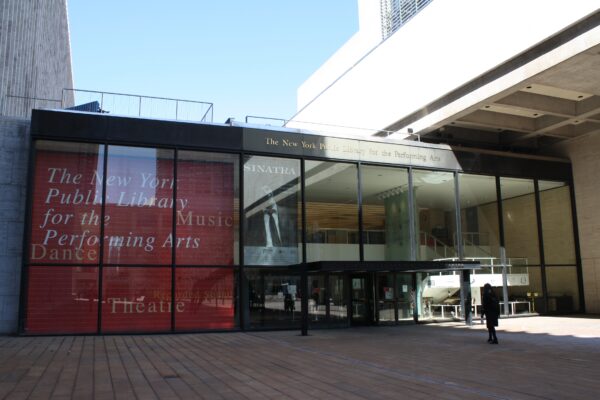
(538, 357)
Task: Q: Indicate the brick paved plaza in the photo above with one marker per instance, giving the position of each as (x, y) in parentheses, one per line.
(537, 358)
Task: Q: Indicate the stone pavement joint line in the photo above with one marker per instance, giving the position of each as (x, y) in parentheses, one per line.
(392, 372)
(537, 358)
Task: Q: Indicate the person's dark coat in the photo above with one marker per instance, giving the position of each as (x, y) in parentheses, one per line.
(491, 307)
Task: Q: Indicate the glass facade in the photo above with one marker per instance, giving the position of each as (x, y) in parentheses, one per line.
(140, 239)
(272, 211)
(274, 298)
(331, 195)
(480, 232)
(520, 221)
(435, 215)
(521, 238)
(133, 239)
(386, 213)
(557, 223)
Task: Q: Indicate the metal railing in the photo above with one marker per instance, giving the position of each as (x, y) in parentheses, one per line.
(319, 127)
(437, 247)
(141, 106)
(395, 13)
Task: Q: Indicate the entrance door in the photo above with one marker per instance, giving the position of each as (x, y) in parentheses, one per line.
(362, 299)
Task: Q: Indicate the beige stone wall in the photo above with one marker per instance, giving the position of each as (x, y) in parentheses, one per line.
(559, 244)
(584, 154)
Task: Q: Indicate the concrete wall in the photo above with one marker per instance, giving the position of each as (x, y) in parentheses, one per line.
(584, 153)
(430, 56)
(14, 152)
(35, 55)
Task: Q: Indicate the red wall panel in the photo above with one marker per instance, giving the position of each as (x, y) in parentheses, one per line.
(62, 300)
(139, 210)
(67, 198)
(136, 299)
(205, 207)
(207, 295)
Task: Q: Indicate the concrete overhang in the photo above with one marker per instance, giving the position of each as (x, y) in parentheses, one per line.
(553, 97)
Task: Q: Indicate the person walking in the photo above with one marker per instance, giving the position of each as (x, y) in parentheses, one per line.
(491, 309)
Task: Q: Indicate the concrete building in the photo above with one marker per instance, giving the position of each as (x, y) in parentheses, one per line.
(514, 76)
(35, 67)
(35, 54)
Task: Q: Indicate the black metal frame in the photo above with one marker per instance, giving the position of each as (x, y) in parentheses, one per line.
(108, 130)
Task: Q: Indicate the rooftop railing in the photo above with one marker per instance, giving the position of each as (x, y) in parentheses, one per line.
(141, 106)
(329, 129)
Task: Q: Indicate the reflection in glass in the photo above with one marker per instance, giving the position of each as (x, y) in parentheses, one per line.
(436, 220)
(207, 214)
(62, 300)
(520, 221)
(386, 297)
(206, 297)
(139, 206)
(137, 299)
(274, 299)
(439, 295)
(317, 302)
(67, 203)
(362, 296)
(557, 223)
(272, 211)
(563, 291)
(338, 309)
(405, 296)
(525, 294)
(331, 211)
(386, 226)
(479, 218)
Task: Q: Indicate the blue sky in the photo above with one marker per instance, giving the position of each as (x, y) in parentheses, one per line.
(246, 57)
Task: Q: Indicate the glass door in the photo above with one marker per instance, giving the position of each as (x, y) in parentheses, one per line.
(386, 294)
(405, 296)
(362, 299)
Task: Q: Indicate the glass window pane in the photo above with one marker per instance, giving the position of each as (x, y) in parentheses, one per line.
(563, 291)
(62, 300)
(436, 220)
(338, 310)
(275, 299)
(520, 221)
(385, 213)
(439, 295)
(206, 297)
(525, 294)
(137, 299)
(317, 302)
(139, 206)
(331, 211)
(557, 222)
(479, 217)
(405, 296)
(207, 211)
(386, 298)
(67, 203)
(272, 211)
